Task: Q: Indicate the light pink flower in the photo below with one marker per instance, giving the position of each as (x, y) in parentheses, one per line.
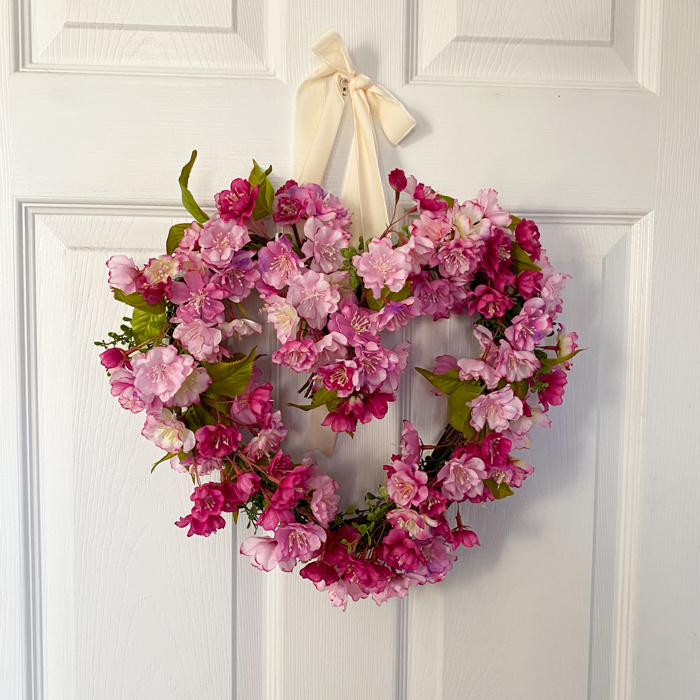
(200, 340)
(410, 444)
(283, 316)
(324, 245)
(161, 371)
(299, 355)
(406, 484)
(383, 266)
(324, 500)
(488, 347)
(123, 274)
(262, 552)
(396, 314)
(567, 343)
(192, 388)
(220, 240)
(496, 409)
(462, 478)
(312, 297)
(432, 226)
(122, 386)
(161, 269)
(477, 369)
(168, 434)
(488, 201)
(297, 541)
(416, 525)
(239, 328)
(459, 258)
(330, 349)
(515, 365)
(278, 263)
(531, 325)
(469, 222)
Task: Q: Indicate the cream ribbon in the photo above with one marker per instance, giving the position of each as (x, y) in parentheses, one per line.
(319, 109)
(320, 105)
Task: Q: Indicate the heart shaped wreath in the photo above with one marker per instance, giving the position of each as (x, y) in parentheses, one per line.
(175, 359)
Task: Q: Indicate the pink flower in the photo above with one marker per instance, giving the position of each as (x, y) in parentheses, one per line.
(462, 478)
(214, 441)
(356, 325)
(496, 408)
(197, 299)
(399, 551)
(477, 369)
(122, 386)
(435, 298)
(515, 365)
(190, 238)
(253, 404)
(299, 355)
(438, 559)
(340, 377)
(123, 274)
(220, 240)
(445, 363)
(168, 434)
(414, 524)
(410, 444)
(262, 552)
(432, 226)
(277, 262)
(297, 541)
(529, 326)
(426, 198)
(487, 200)
(485, 339)
(458, 258)
(239, 328)
(465, 537)
(324, 245)
(567, 343)
(553, 391)
(382, 266)
(324, 500)
(396, 314)
(195, 384)
(397, 180)
(488, 302)
(269, 438)
(283, 316)
(406, 484)
(372, 362)
(313, 298)
(239, 278)
(113, 358)
(469, 222)
(161, 371)
(200, 340)
(205, 517)
(330, 349)
(238, 202)
(528, 237)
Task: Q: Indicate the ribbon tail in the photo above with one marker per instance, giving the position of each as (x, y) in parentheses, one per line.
(319, 437)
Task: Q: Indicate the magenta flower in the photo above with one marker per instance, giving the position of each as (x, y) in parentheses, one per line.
(383, 266)
(340, 377)
(122, 386)
(426, 198)
(529, 283)
(200, 340)
(324, 245)
(396, 314)
(515, 365)
(123, 274)
(397, 180)
(297, 541)
(528, 237)
(399, 551)
(299, 355)
(197, 299)
(238, 202)
(161, 371)
(239, 278)
(529, 326)
(462, 478)
(195, 384)
(113, 358)
(253, 404)
(205, 517)
(220, 240)
(465, 537)
(553, 391)
(277, 262)
(496, 409)
(312, 297)
(488, 302)
(357, 325)
(406, 484)
(261, 550)
(217, 440)
(167, 433)
(319, 571)
(410, 444)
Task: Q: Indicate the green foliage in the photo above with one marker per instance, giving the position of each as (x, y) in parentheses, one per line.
(188, 199)
(499, 491)
(321, 397)
(230, 378)
(450, 200)
(521, 260)
(146, 325)
(460, 413)
(138, 302)
(164, 458)
(125, 338)
(446, 383)
(266, 193)
(553, 361)
(175, 236)
(514, 221)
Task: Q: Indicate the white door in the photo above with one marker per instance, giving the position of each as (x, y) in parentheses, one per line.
(576, 590)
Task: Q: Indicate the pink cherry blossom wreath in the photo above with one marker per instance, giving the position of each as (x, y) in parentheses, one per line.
(175, 360)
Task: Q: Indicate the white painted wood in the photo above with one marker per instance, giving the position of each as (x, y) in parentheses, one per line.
(577, 591)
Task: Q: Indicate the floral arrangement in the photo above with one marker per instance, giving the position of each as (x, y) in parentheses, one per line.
(329, 299)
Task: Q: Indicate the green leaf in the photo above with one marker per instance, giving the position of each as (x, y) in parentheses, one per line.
(520, 389)
(147, 325)
(138, 302)
(460, 413)
(374, 303)
(321, 397)
(450, 200)
(175, 236)
(552, 361)
(499, 491)
(402, 294)
(266, 193)
(188, 199)
(230, 378)
(446, 383)
(204, 416)
(514, 221)
(521, 260)
(161, 460)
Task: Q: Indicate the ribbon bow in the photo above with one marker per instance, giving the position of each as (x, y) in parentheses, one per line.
(319, 108)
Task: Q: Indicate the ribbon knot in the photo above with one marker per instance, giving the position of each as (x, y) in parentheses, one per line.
(319, 108)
